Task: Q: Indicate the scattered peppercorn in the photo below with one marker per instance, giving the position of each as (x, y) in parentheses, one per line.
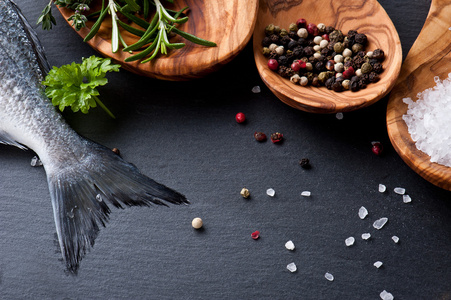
(305, 163)
(240, 117)
(115, 150)
(197, 223)
(377, 148)
(276, 137)
(245, 193)
(255, 235)
(317, 55)
(259, 136)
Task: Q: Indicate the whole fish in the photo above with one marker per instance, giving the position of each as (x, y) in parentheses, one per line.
(82, 175)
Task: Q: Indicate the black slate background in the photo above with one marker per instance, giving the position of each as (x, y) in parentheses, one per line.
(184, 135)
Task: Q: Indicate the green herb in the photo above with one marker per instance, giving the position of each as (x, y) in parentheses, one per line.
(46, 17)
(75, 85)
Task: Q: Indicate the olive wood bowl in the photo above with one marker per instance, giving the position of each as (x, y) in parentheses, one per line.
(429, 56)
(228, 23)
(366, 17)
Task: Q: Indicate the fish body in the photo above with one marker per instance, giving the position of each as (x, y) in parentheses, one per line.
(83, 176)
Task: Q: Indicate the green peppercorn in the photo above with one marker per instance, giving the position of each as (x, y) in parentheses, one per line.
(266, 51)
(322, 77)
(276, 29)
(269, 29)
(339, 47)
(283, 32)
(366, 68)
(336, 36)
(347, 59)
(357, 48)
(293, 27)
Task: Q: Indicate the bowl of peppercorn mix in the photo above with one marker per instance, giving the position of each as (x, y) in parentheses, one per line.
(326, 56)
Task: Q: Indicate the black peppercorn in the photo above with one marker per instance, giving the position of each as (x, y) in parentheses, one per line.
(292, 44)
(285, 72)
(362, 84)
(308, 51)
(365, 78)
(325, 51)
(329, 29)
(377, 67)
(293, 35)
(319, 66)
(373, 77)
(266, 41)
(302, 42)
(329, 82)
(282, 60)
(298, 52)
(351, 34)
(273, 55)
(285, 40)
(336, 86)
(305, 163)
(361, 39)
(378, 54)
(354, 85)
(315, 81)
(274, 38)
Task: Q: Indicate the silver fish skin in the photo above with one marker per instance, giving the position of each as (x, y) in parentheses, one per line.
(82, 176)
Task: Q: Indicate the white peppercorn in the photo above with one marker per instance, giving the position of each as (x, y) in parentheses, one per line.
(308, 66)
(338, 67)
(324, 43)
(279, 50)
(347, 52)
(295, 78)
(304, 81)
(338, 75)
(369, 54)
(197, 223)
(358, 72)
(345, 84)
(317, 39)
(272, 47)
(317, 48)
(317, 55)
(338, 58)
(321, 27)
(303, 33)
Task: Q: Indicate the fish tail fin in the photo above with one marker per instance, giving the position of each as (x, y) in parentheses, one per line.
(80, 195)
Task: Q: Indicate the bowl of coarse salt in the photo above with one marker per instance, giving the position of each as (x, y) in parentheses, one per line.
(419, 107)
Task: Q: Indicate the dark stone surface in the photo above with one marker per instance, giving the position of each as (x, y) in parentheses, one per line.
(184, 135)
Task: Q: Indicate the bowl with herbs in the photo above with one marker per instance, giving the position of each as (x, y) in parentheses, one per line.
(164, 39)
(326, 56)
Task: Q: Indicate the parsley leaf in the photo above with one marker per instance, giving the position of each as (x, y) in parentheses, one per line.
(75, 85)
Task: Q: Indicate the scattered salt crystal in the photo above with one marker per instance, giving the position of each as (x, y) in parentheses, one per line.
(306, 193)
(339, 116)
(378, 264)
(378, 224)
(363, 212)
(366, 236)
(292, 267)
(256, 89)
(395, 239)
(289, 245)
(406, 198)
(270, 192)
(427, 120)
(386, 295)
(99, 198)
(329, 276)
(382, 188)
(36, 162)
(400, 190)
(449, 28)
(349, 241)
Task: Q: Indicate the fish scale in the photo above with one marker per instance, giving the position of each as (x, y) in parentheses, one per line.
(79, 171)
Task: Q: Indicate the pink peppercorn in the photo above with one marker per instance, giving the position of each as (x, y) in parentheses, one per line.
(240, 117)
(312, 29)
(255, 235)
(348, 73)
(276, 137)
(295, 66)
(325, 37)
(301, 23)
(377, 148)
(273, 64)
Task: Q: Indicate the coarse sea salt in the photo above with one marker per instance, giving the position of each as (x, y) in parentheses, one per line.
(427, 120)
(339, 116)
(350, 241)
(256, 89)
(329, 276)
(399, 190)
(35, 162)
(386, 295)
(292, 267)
(270, 192)
(406, 199)
(382, 188)
(378, 264)
(363, 212)
(366, 236)
(289, 245)
(378, 224)
(395, 239)
(306, 194)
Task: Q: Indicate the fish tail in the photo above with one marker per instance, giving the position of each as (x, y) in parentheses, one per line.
(81, 193)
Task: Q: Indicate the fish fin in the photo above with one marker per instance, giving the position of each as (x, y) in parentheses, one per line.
(6, 139)
(80, 194)
(34, 40)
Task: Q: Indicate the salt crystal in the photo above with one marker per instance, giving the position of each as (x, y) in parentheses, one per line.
(363, 212)
(270, 192)
(329, 276)
(386, 295)
(339, 116)
(292, 267)
(289, 245)
(406, 198)
(366, 236)
(449, 28)
(349, 241)
(399, 190)
(378, 264)
(99, 198)
(306, 193)
(378, 224)
(395, 239)
(427, 121)
(382, 188)
(36, 162)
(256, 89)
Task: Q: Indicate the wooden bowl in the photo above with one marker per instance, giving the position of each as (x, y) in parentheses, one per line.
(429, 56)
(366, 17)
(228, 23)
